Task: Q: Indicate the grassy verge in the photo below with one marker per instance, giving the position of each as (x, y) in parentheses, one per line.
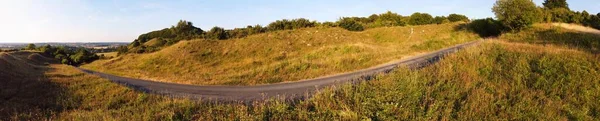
(281, 56)
(495, 81)
(548, 34)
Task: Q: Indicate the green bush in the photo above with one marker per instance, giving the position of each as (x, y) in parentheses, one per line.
(516, 14)
(440, 20)
(350, 24)
(216, 33)
(457, 17)
(420, 19)
(388, 19)
(486, 27)
(290, 24)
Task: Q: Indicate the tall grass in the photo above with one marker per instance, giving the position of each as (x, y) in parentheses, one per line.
(548, 34)
(494, 81)
(280, 56)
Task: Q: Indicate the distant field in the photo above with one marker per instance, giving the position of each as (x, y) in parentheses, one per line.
(108, 54)
(282, 56)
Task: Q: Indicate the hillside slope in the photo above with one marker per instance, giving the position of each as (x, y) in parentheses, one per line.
(564, 35)
(281, 56)
(495, 81)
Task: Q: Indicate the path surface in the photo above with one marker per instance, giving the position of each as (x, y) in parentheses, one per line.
(291, 90)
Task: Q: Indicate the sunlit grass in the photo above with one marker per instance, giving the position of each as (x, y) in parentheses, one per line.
(281, 56)
(492, 81)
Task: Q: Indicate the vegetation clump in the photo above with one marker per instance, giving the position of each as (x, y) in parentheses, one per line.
(70, 56)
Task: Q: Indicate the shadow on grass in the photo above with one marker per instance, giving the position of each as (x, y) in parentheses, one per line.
(583, 41)
(26, 93)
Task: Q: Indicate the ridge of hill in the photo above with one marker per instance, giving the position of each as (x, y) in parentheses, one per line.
(281, 56)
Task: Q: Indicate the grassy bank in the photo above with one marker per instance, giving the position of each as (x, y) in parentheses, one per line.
(571, 36)
(281, 56)
(494, 81)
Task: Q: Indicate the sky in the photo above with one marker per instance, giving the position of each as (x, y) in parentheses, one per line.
(27, 21)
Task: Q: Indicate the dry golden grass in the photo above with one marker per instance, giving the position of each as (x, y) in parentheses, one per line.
(282, 56)
(496, 80)
(108, 54)
(565, 35)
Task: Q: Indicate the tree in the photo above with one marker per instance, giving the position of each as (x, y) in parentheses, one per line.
(420, 19)
(217, 33)
(350, 24)
(552, 4)
(457, 17)
(516, 14)
(30, 46)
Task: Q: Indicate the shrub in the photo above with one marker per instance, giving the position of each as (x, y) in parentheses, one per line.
(290, 24)
(350, 24)
(457, 17)
(420, 19)
(486, 27)
(329, 24)
(440, 20)
(388, 19)
(216, 33)
(516, 14)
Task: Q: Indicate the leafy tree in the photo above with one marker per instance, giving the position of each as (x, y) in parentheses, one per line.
(350, 24)
(217, 33)
(420, 19)
(30, 46)
(516, 14)
(552, 4)
(561, 15)
(457, 17)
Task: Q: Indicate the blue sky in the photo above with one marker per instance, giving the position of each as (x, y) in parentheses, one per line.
(124, 20)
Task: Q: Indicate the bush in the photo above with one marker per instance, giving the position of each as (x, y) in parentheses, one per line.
(440, 20)
(350, 24)
(420, 19)
(216, 33)
(457, 17)
(290, 24)
(516, 14)
(486, 27)
(388, 19)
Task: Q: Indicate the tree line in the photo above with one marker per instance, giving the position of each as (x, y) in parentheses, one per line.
(70, 56)
(185, 30)
(516, 15)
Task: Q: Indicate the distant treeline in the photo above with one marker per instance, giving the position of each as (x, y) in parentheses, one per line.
(516, 15)
(70, 56)
(184, 30)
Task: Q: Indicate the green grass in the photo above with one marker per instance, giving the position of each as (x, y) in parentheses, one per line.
(282, 56)
(493, 81)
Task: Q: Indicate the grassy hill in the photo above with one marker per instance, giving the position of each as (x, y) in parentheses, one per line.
(564, 35)
(496, 80)
(281, 56)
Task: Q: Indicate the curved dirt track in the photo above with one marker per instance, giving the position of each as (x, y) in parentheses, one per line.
(292, 90)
